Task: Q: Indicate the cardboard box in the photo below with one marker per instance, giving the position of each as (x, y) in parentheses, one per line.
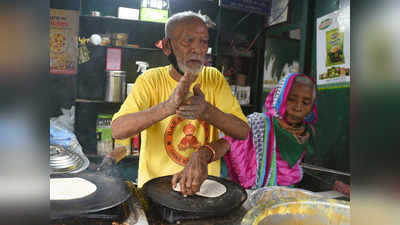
(128, 13)
(154, 15)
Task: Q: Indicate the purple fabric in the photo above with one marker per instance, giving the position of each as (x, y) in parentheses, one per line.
(287, 176)
(270, 110)
(282, 109)
(241, 161)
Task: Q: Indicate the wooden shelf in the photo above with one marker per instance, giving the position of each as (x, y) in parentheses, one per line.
(95, 101)
(127, 47)
(143, 33)
(113, 18)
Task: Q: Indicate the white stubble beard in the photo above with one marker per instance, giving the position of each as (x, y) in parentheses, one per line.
(187, 69)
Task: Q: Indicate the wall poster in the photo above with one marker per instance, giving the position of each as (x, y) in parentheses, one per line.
(279, 12)
(113, 59)
(333, 50)
(64, 28)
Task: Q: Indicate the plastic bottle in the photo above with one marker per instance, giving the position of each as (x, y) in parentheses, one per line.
(142, 66)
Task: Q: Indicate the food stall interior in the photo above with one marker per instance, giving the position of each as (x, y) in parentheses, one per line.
(324, 172)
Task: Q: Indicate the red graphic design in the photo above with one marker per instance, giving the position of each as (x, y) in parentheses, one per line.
(187, 142)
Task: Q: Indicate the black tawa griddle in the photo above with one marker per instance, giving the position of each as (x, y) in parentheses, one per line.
(171, 206)
(110, 193)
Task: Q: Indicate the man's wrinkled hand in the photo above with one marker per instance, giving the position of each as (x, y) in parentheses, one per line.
(195, 106)
(180, 93)
(194, 173)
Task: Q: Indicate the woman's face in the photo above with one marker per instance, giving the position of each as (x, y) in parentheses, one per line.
(299, 103)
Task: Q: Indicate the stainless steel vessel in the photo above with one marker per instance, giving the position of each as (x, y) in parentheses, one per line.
(115, 86)
(64, 160)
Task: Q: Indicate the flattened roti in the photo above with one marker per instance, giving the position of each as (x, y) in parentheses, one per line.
(70, 188)
(209, 189)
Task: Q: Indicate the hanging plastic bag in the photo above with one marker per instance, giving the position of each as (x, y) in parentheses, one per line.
(62, 131)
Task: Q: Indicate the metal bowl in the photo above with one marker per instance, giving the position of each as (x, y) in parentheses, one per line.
(65, 160)
(267, 194)
(293, 211)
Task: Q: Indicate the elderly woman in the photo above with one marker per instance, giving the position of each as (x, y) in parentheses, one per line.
(278, 139)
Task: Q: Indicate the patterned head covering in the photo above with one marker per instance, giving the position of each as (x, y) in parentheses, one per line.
(275, 104)
(254, 162)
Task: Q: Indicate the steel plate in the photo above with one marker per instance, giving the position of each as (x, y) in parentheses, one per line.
(267, 194)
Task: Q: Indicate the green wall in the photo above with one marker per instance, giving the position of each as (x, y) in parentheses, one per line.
(333, 109)
(333, 106)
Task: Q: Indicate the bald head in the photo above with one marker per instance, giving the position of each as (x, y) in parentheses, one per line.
(179, 18)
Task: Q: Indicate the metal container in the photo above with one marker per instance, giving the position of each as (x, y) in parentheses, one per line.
(295, 211)
(267, 194)
(117, 42)
(64, 160)
(115, 86)
(120, 36)
(119, 39)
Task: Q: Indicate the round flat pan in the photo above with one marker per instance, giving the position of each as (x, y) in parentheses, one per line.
(159, 190)
(110, 192)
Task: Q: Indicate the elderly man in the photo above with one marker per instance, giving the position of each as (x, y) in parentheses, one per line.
(180, 110)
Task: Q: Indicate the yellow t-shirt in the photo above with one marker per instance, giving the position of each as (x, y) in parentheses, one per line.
(167, 145)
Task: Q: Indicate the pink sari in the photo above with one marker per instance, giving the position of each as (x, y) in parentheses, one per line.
(254, 168)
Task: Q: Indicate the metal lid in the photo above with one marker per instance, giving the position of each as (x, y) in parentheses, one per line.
(64, 160)
(116, 73)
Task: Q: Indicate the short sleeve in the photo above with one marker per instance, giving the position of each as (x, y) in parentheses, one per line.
(139, 99)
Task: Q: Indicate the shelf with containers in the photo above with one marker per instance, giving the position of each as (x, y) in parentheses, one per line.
(237, 53)
(91, 132)
(91, 80)
(141, 33)
(129, 47)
